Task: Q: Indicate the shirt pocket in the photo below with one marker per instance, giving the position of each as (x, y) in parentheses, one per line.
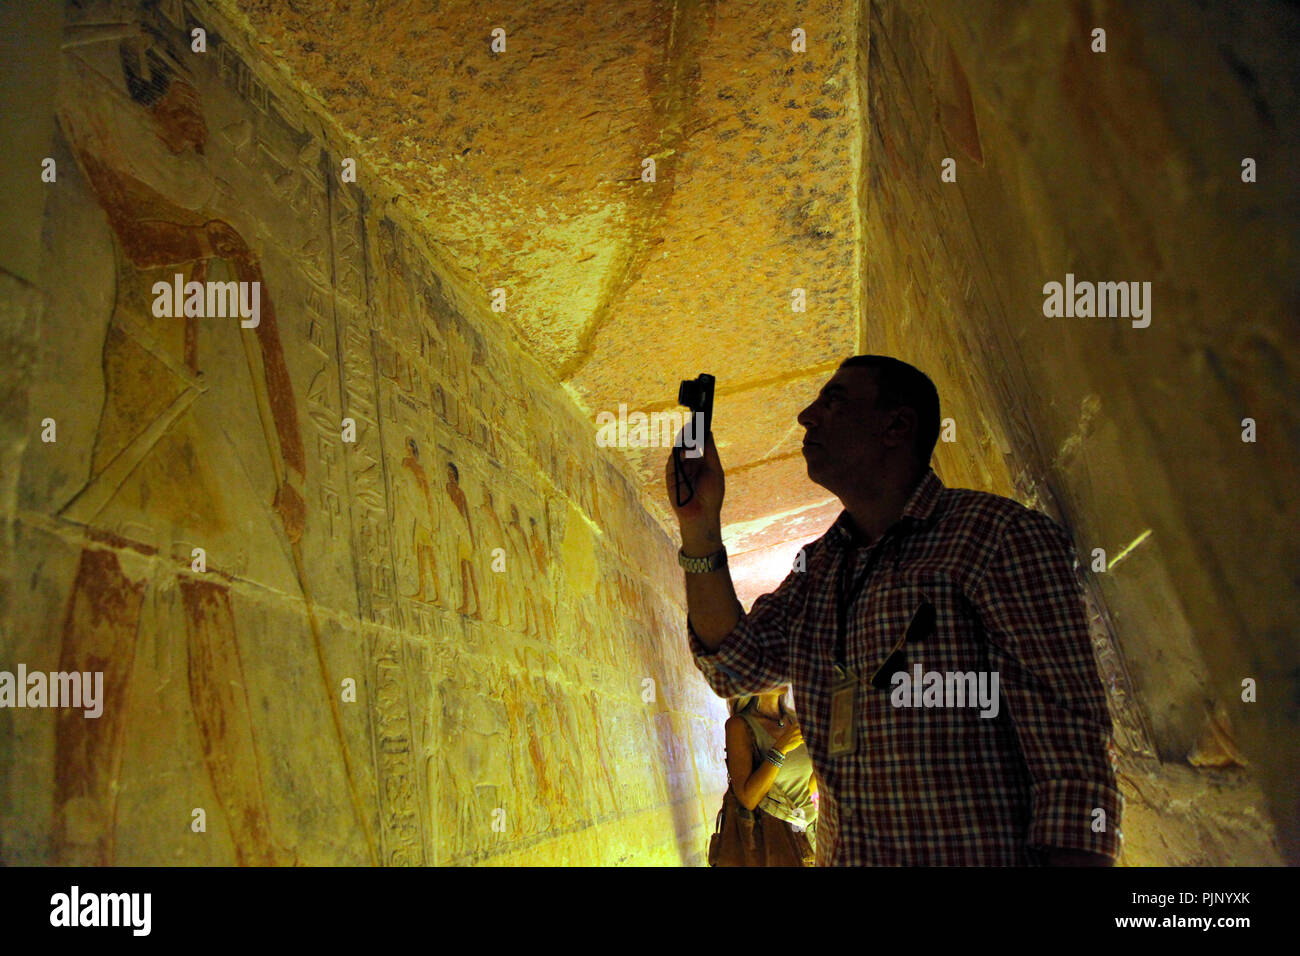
(920, 617)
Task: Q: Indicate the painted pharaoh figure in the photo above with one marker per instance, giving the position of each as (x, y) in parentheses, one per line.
(167, 387)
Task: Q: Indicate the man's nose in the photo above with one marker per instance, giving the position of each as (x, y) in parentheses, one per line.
(805, 418)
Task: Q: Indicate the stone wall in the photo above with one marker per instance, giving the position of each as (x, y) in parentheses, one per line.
(1117, 166)
(467, 559)
(424, 638)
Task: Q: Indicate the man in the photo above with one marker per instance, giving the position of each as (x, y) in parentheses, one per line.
(971, 586)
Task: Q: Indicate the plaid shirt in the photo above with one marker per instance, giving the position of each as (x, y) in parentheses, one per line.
(942, 785)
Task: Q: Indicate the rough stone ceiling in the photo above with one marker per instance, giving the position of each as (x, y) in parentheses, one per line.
(525, 168)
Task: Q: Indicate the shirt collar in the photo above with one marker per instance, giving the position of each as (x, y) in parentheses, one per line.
(921, 508)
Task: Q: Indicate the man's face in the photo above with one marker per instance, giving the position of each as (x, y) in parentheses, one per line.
(846, 438)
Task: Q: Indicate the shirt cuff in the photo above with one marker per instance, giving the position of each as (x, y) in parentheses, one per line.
(714, 664)
(1065, 816)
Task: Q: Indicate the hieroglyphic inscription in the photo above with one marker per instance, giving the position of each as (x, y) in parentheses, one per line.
(346, 226)
(369, 504)
(403, 844)
(285, 157)
(325, 411)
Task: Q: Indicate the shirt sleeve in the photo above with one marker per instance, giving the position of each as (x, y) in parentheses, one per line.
(753, 658)
(1036, 623)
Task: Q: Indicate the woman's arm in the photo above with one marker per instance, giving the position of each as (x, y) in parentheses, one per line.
(751, 783)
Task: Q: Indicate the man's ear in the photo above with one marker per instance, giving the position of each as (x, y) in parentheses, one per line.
(901, 428)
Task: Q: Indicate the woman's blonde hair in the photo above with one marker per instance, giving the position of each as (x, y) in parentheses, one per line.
(738, 705)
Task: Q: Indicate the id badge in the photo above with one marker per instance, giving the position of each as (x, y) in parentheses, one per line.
(844, 699)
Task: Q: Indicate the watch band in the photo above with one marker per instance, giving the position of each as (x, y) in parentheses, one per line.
(718, 559)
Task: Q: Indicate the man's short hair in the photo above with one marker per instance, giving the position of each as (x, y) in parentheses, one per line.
(899, 384)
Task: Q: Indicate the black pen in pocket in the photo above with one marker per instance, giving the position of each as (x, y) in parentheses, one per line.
(922, 623)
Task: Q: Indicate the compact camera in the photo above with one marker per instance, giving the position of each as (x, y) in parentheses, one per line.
(697, 395)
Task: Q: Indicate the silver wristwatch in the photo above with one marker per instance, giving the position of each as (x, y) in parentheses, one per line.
(718, 559)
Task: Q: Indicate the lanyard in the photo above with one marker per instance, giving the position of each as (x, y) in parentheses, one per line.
(845, 599)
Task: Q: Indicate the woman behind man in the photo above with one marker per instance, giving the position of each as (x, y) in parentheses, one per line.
(769, 765)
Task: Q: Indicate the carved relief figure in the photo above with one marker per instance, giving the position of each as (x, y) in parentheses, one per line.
(540, 563)
(424, 520)
(466, 546)
(527, 579)
(502, 582)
